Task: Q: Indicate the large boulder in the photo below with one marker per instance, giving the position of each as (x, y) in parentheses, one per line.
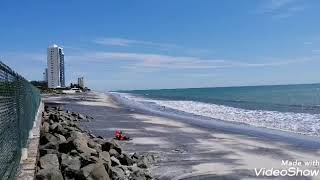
(49, 161)
(48, 151)
(61, 138)
(66, 147)
(54, 117)
(95, 172)
(143, 162)
(87, 158)
(114, 161)
(80, 141)
(113, 144)
(117, 173)
(47, 137)
(45, 127)
(49, 174)
(125, 159)
(70, 165)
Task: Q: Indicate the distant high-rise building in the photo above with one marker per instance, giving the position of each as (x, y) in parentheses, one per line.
(81, 82)
(45, 75)
(55, 59)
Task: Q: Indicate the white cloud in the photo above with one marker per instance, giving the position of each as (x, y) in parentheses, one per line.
(123, 42)
(129, 42)
(160, 61)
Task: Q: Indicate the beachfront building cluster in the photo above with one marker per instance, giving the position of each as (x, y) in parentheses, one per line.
(81, 82)
(55, 71)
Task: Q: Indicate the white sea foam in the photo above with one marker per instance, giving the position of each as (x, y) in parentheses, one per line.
(303, 123)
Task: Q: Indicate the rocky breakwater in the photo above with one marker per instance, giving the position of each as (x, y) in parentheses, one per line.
(67, 152)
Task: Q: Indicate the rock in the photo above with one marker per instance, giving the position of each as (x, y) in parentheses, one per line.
(114, 161)
(60, 130)
(125, 160)
(118, 174)
(45, 127)
(113, 144)
(113, 152)
(49, 174)
(140, 174)
(81, 117)
(47, 151)
(53, 126)
(49, 161)
(87, 158)
(61, 138)
(47, 137)
(49, 145)
(70, 166)
(81, 143)
(93, 144)
(70, 162)
(66, 147)
(54, 117)
(95, 172)
(143, 162)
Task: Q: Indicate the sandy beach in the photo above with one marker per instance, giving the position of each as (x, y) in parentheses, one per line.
(185, 150)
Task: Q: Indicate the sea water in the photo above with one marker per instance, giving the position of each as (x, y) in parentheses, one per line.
(294, 108)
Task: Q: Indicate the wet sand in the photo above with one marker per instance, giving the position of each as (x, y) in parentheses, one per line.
(185, 150)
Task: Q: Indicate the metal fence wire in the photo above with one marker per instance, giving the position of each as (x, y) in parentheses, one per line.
(19, 102)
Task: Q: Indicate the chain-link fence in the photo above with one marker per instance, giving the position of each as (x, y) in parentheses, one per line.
(19, 102)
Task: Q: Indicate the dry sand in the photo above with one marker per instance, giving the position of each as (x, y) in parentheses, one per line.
(185, 151)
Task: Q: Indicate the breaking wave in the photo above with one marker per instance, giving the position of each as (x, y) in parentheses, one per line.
(302, 123)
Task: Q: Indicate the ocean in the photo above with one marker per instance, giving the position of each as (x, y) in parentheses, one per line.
(290, 108)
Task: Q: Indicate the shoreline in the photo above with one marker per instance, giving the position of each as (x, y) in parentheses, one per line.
(184, 149)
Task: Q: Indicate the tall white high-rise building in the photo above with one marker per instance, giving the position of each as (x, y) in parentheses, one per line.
(55, 59)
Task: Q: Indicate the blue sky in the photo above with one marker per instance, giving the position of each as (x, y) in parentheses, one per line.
(150, 44)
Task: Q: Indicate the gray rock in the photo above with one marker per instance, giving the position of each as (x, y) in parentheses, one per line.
(95, 172)
(66, 147)
(87, 158)
(125, 159)
(70, 166)
(54, 117)
(47, 151)
(143, 162)
(60, 130)
(113, 152)
(82, 117)
(117, 173)
(45, 127)
(70, 162)
(61, 138)
(105, 157)
(80, 141)
(53, 126)
(49, 161)
(114, 161)
(49, 174)
(93, 144)
(47, 137)
(113, 144)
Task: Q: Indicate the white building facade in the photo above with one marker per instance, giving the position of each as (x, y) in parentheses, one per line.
(55, 73)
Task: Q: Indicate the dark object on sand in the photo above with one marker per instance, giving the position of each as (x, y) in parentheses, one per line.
(120, 136)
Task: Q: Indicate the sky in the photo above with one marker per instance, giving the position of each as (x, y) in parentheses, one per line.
(149, 44)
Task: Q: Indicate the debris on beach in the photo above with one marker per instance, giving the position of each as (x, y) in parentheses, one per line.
(69, 153)
(120, 136)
